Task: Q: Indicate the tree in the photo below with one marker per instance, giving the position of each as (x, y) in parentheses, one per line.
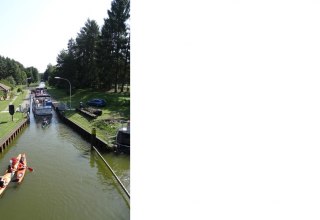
(87, 41)
(33, 73)
(115, 35)
(11, 80)
(125, 78)
(105, 55)
(99, 60)
(13, 71)
(67, 64)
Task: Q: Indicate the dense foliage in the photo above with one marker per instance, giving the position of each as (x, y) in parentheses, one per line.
(14, 73)
(97, 59)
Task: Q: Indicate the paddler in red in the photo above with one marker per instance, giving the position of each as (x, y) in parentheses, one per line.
(13, 162)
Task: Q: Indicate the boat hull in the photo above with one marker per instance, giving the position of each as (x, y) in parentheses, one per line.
(8, 176)
(41, 103)
(42, 111)
(21, 172)
(123, 140)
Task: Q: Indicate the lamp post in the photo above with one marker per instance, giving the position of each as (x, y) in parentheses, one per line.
(57, 77)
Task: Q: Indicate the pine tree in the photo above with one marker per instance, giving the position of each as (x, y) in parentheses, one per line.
(115, 40)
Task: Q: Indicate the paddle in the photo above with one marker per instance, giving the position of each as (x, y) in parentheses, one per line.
(29, 168)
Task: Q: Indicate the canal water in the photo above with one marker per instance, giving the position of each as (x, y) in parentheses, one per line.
(68, 182)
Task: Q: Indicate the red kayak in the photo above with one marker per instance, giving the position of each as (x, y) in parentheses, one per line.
(22, 167)
(7, 177)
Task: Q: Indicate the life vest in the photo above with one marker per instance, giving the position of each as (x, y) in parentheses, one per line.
(20, 166)
(14, 161)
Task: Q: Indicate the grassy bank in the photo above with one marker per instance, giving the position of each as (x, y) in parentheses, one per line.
(116, 111)
(6, 122)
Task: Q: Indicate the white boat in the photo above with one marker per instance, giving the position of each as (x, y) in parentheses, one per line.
(41, 102)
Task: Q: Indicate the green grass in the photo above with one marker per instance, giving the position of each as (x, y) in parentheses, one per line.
(6, 123)
(19, 97)
(117, 109)
(4, 104)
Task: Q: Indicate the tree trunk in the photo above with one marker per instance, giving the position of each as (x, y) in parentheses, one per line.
(116, 77)
(125, 70)
(122, 87)
(116, 83)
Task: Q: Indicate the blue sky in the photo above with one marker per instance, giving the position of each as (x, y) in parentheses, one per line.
(33, 32)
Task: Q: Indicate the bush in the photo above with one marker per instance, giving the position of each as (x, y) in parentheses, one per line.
(19, 90)
(11, 95)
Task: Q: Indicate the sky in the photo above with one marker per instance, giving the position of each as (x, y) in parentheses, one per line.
(34, 32)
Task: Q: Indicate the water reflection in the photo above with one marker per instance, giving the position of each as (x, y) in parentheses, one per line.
(106, 178)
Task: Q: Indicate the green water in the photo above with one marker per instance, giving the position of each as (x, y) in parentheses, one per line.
(69, 181)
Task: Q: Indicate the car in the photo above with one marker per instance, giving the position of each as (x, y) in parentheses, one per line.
(97, 102)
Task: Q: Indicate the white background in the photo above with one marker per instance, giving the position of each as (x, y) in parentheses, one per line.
(225, 110)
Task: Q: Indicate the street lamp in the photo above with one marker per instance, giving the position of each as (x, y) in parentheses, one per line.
(57, 77)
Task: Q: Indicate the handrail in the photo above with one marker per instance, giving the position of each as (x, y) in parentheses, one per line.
(112, 172)
(123, 145)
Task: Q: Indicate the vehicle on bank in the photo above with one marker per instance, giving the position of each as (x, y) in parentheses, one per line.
(97, 102)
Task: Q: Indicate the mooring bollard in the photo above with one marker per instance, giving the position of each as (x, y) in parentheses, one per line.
(93, 137)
